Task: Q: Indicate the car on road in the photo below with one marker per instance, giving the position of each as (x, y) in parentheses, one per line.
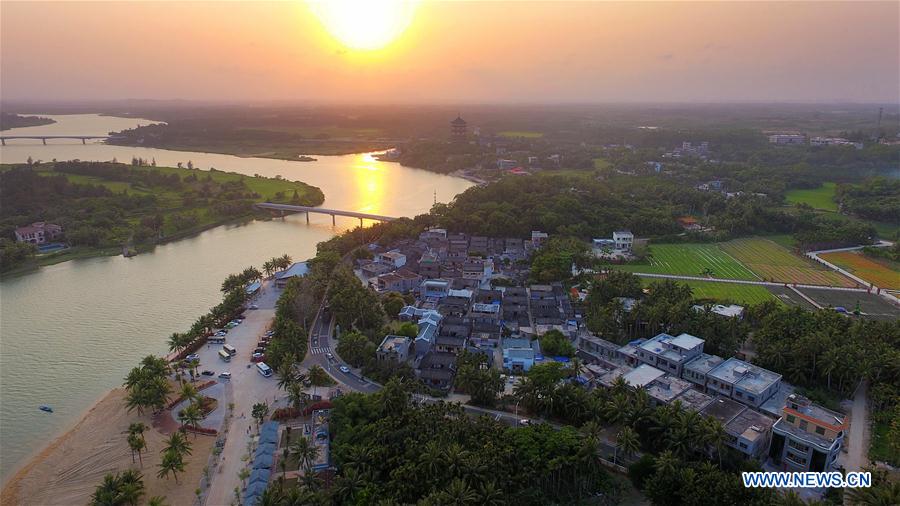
(344, 369)
(207, 373)
(270, 333)
(193, 357)
(253, 306)
(225, 375)
(329, 356)
(525, 422)
(221, 333)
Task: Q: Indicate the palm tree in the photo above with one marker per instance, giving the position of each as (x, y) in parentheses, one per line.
(286, 375)
(306, 452)
(455, 457)
(177, 443)
(348, 485)
(490, 495)
(157, 500)
(592, 429)
(714, 435)
(458, 493)
(172, 462)
(627, 440)
(189, 392)
(666, 463)
(319, 378)
(176, 342)
(137, 445)
(883, 492)
(191, 416)
(268, 268)
(107, 493)
(131, 487)
(284, 261)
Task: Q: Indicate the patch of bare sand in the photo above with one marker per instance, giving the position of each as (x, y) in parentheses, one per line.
(70, 468)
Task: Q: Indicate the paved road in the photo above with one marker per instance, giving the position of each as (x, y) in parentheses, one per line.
(247, 388)
(858, 439)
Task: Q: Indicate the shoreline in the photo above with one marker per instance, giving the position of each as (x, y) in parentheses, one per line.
(40, 454)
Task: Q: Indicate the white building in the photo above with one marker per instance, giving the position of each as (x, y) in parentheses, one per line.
(393, 258)
(787, 139)
(623, 239)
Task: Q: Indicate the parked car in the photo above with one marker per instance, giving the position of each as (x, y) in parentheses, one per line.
(221, 333)
(262, 344)
(253, 306)
(344, 369)
(259, 350)
(258, 357)
(193, 357)
(225, 375)
(525, 422)
(270, 333)
(207, 373)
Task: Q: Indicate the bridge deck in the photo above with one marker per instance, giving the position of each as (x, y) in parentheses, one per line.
(322, 210)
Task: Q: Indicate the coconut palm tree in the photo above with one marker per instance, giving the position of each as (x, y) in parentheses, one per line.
(268, 268)
(666, 463)
(458, 493)
(172, 463)
(137, 445)
(178, 443)
(189, 392)
(157, 500)
(191, 416)
(319, 378)
(306, 453)
(490, 495)
(627, 440)
(348, 485)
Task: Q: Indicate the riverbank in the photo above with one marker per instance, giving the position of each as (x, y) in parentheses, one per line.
(68, 470)
(276, 152)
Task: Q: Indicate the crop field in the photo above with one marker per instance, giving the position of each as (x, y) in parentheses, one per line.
(872, 306)
(730, 292)
(878, 272)
(817, 198)
(772, 262)
(705, 260)
(521, 133)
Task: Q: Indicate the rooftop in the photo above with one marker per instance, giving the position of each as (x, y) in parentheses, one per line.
(745, 375)
(667, 388)
(806, 407)
(750, 425)
(694, 400)
(642, 375)
(723, 409)
(400, 344)
(796, 432)
(731, 311)
(296, 269)
(704, 363)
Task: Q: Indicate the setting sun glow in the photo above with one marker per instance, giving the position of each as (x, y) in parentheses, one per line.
(365, 25)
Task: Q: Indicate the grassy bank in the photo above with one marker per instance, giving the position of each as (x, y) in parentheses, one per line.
(106, 207)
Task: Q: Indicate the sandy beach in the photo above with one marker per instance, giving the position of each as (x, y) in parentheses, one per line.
(68, 470)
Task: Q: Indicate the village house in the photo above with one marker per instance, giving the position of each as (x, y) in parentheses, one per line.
(429, 266)
(437, 369)
(544, 305)
(748, 432)
(393, 258)
(519, 355)
(623, 240)
(394, 348)
(670, 353)
(374, 269)
(38, 232)
(666, 389)
(743, 382)
(696, 370)
(402, 281)
(807, 437)
(514, 307)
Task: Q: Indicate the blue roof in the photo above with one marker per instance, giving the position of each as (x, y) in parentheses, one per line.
(254, 490)
(253, 287)
(260, 475)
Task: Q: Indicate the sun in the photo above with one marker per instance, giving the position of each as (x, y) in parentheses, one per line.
(365, 25)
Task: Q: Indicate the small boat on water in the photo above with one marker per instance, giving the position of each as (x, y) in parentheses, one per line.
(44, 407)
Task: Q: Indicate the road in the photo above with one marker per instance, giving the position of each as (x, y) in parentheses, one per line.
(858, 438)
(247, 388)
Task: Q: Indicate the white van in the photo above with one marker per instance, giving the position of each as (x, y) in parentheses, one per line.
(224, 356)
(229, 349)
(263, 369)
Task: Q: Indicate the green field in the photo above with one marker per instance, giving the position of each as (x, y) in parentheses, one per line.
(730, 292)
(706, 260)
(521, 133)
(602, 163)
(817, 198)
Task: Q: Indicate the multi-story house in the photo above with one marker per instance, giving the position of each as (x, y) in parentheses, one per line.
(697, 369)
(669, 353)
(394, 348)
(807, 437)
(743, 382)
(38, 232)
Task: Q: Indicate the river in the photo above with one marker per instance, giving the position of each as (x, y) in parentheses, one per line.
(71, 331)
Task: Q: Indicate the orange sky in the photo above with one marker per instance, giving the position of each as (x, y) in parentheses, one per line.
(455, 52)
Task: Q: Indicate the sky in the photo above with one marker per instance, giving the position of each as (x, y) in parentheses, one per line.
(452, 51)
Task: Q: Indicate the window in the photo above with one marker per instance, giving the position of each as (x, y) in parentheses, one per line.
(743, 445)
(790, 418)
(797, 446)
(820, 430)
(803, 424)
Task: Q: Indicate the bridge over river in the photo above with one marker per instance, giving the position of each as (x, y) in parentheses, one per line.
(287, 208)
(43, 138)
